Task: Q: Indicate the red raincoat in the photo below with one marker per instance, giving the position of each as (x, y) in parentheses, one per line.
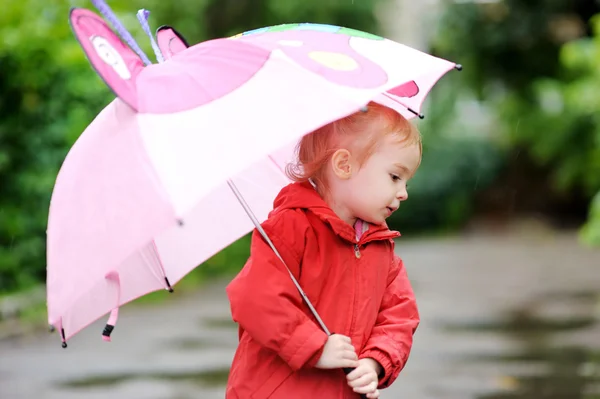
(360, 289)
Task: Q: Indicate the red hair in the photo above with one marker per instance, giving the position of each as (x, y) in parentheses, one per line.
(360, 133)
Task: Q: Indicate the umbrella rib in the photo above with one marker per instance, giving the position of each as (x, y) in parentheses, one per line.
(412, 111)
(270, 243)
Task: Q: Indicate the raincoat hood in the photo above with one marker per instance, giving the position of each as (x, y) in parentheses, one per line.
(305, 196)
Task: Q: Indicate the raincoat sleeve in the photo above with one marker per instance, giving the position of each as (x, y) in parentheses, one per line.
(392, 337)
(266, 303)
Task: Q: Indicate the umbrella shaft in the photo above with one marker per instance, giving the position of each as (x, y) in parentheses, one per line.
(268, 240)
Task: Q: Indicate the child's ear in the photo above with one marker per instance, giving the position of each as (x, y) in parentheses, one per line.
(114, 61)
(341, 162)
(170, 42)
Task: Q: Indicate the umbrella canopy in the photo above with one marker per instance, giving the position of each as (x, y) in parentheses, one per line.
(144, 194)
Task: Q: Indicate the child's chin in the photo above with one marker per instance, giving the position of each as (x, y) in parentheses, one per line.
(376, 220)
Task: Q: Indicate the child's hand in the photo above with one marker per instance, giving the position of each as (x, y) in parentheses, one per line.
(364, 379)
(338, 353)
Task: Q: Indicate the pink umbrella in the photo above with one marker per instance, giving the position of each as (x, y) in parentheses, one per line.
(152, 188)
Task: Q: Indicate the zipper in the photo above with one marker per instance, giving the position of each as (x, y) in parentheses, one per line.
(356, 293)
(360, 240)
(357, 251)
(361, 229)
(374, 237)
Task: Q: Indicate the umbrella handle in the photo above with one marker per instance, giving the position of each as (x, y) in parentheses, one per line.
(348, 370)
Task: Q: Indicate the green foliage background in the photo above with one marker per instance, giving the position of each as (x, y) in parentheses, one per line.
(539, 84)
(49, 94)
(535, 65)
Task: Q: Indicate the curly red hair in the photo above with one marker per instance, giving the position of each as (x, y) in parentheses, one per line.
(360, 133)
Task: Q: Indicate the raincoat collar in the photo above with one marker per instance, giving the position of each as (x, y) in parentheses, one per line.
(304, 196)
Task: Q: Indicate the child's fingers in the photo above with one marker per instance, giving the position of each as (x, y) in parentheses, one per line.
(369, 388)
(348, 354)
(373, 395)
(341, 338)
(361, 381)
(357, 373)
(345, 363)
(346, 339)
(348, 347)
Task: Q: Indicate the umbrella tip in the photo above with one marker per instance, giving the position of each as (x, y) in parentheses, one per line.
(458, 67)
(51, 328)
(421, 116)
(64, 339)
(180, 222)
(169, 288)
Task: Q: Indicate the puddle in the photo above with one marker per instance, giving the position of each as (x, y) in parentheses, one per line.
(568, 372)
(577, 296)
(215, 322)
(97, 381)
(555, 385)
(565, 372)
(522, 324)
(209, 378)
(572, 355)
(219, 340)
(192, 343)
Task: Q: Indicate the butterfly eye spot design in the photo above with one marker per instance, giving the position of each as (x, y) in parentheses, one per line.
(110, 56)
(336, 61)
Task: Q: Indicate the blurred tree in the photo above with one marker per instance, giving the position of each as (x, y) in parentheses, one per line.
(535, 65)
(456, 166)
(49, 94)
(229, 17)
(511, 42)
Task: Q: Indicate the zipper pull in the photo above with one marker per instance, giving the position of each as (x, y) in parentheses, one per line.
(356, 251)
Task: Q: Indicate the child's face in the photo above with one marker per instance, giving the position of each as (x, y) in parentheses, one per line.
(375, 190)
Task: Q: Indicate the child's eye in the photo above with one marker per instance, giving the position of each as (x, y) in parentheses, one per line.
(395, 177)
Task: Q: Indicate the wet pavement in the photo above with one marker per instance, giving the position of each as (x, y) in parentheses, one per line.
(505, 315)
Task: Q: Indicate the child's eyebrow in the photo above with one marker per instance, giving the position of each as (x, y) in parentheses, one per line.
(402, 167)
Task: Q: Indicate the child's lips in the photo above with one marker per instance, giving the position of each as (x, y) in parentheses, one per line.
(391, 210)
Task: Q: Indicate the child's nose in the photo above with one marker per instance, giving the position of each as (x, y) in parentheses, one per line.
(402, 194)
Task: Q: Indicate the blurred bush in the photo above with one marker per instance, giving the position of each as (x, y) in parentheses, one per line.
(49, 94)
(535, 66)
(442, 193)
(560, 122)
(460, 159)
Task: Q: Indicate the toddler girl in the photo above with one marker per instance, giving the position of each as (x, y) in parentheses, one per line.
(329, 227)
